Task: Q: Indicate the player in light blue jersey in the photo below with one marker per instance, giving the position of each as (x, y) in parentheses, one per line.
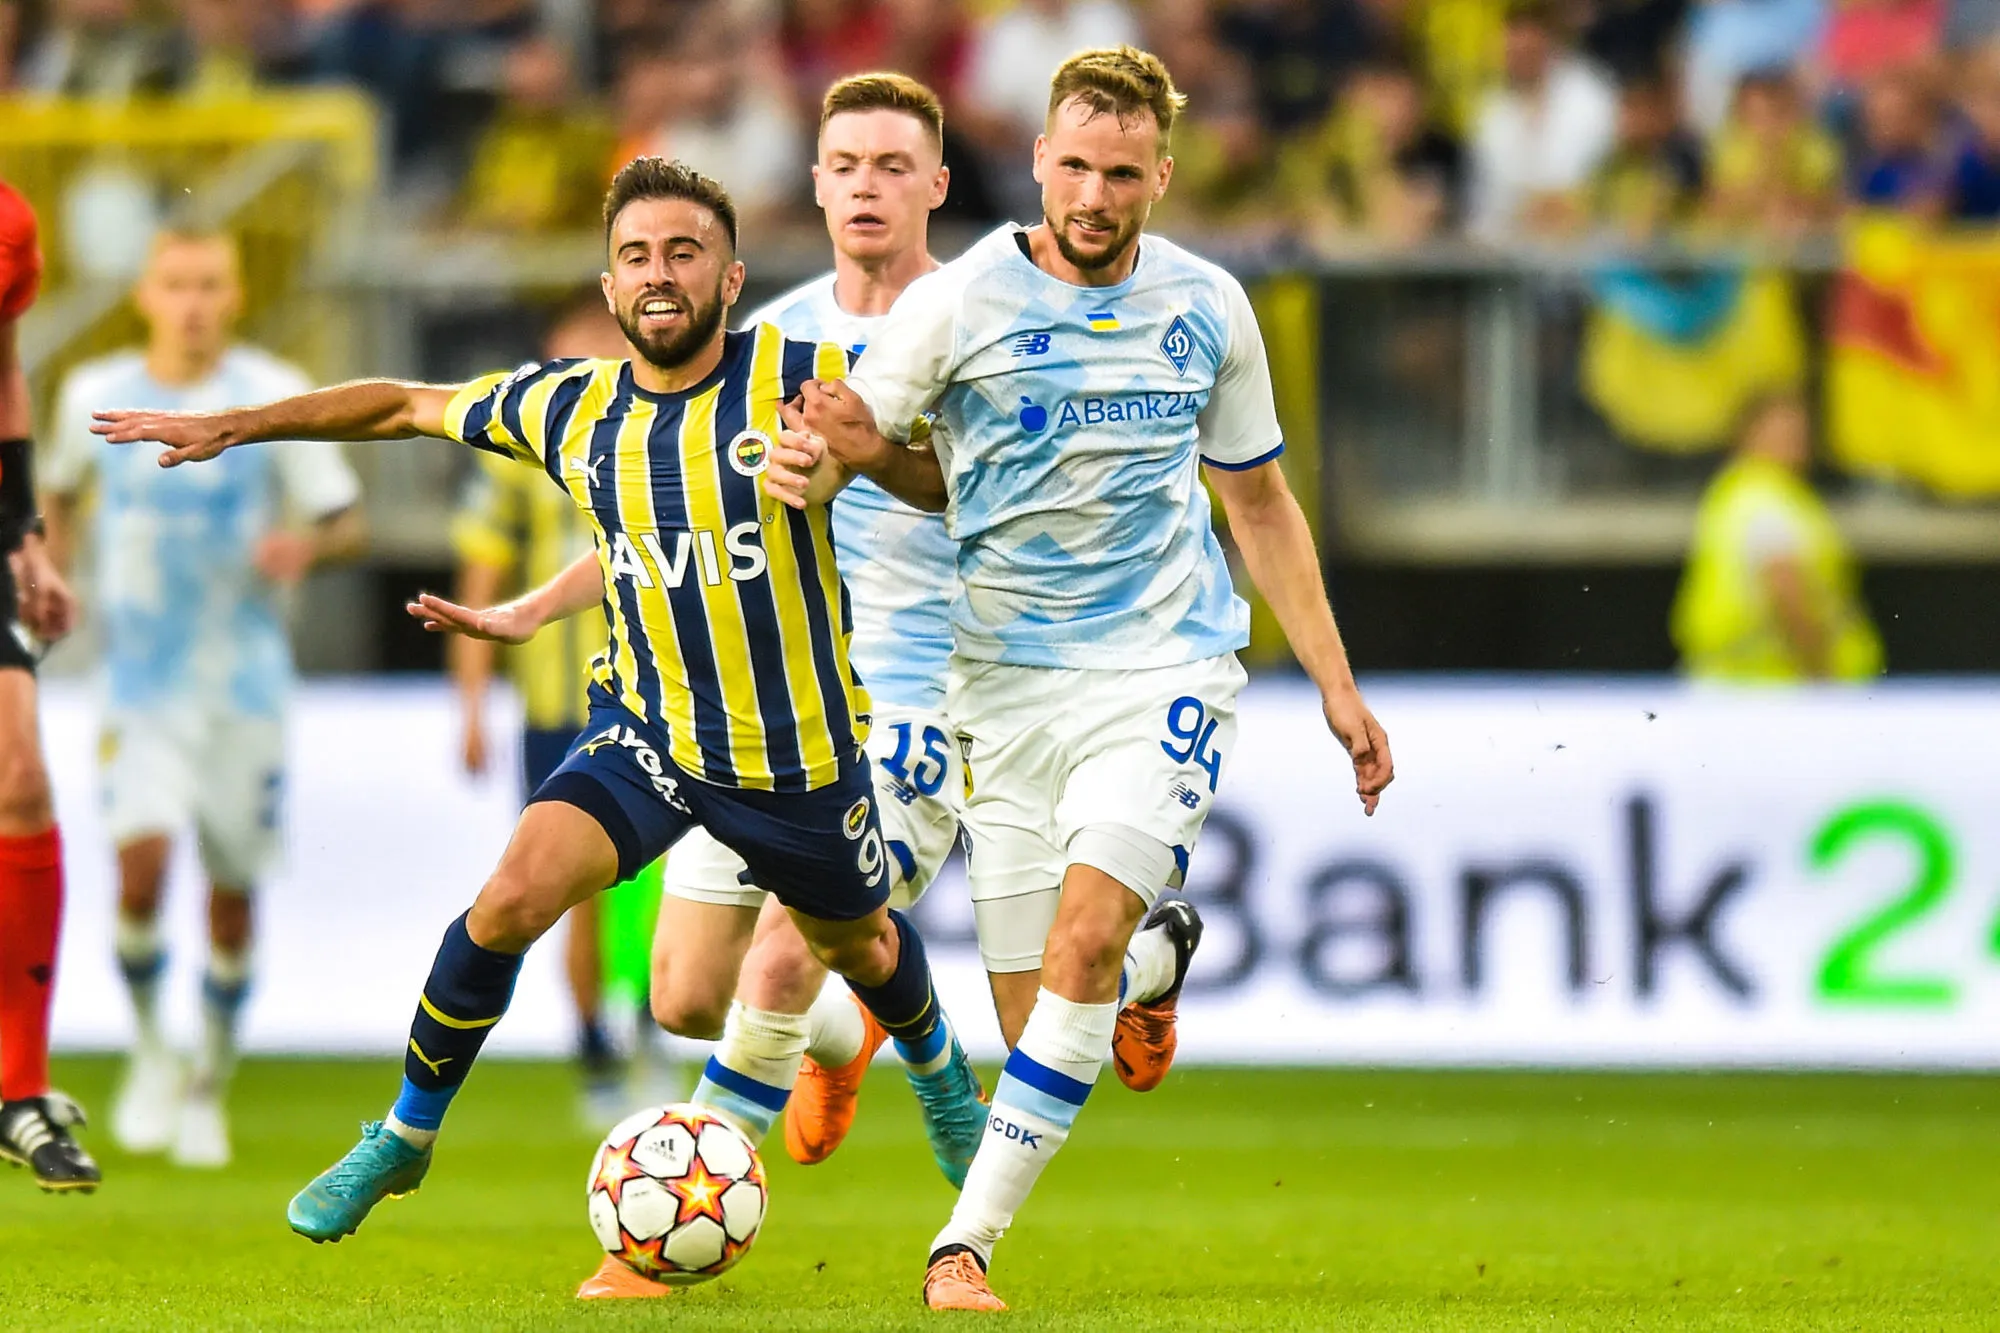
(193, 570)
(1082, 381)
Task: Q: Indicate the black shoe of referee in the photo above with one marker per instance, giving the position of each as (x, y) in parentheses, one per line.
(35, 1133)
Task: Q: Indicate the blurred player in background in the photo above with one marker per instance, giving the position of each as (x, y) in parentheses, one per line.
(1084, 382)
(724, 697)
(1771, 593)
(35, 604)
(514, 528)
(193, 574)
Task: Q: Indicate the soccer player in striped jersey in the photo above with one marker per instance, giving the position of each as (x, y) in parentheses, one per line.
(724, 698)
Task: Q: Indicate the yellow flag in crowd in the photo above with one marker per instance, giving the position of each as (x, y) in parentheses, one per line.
(1913, 358)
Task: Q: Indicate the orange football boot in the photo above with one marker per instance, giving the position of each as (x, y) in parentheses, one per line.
(1143, 1043)
(821, 1110)
(957, 1282)
(614, 1281)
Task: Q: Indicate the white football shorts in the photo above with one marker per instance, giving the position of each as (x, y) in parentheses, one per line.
(219, 771)
(919, 791)
(1054, 750)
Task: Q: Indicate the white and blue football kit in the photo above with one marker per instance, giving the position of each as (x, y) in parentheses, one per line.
(1094, 675)
(900, 568)
(197, 661)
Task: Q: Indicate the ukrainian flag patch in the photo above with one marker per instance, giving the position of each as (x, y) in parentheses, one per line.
(1102, 321)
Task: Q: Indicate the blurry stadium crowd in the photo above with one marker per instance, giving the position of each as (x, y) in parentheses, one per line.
(1325, 123)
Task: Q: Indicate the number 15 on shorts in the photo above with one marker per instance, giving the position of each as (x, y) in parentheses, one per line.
(1191, 733)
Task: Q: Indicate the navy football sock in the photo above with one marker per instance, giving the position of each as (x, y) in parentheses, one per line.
(465, 995)
(906, 1004)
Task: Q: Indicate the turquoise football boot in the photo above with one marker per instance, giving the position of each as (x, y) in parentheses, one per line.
(954, 1107)
(381, 1166)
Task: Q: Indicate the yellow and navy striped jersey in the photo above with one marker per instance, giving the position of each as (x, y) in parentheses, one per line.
(516, 522)
(729, 623)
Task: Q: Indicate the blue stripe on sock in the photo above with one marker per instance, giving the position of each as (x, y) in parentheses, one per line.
(422, 1108)
(746, 1114)
(225, 995)
(1124, 978)
(763, 1094)
(1044, 1079)
(924, 1051)
(1012, 1092)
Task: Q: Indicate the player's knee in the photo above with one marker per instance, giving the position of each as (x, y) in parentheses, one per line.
(512, 912)
(697, 1015)
(869, 958)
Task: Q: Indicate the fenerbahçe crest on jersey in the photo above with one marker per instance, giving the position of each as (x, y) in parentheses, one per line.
(729, 623)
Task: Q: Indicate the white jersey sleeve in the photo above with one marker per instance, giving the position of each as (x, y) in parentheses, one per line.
(67, 463)
(911, 353)
(1239, 426)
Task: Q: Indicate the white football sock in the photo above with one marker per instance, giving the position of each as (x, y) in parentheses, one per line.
(141, 961)
(749, 1078)
(837, 1027)
(223, 987)
(1042, 1088)
(410, 1134)
(1149, 966)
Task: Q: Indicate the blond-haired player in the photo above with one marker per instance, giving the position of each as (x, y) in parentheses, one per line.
(1083, 379)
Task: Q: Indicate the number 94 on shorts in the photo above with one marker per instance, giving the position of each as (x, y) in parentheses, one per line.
(1056, 750)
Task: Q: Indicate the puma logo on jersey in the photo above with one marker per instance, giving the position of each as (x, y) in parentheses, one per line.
(650, 563)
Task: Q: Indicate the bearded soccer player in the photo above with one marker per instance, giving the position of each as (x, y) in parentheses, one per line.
(879, 175)
(724, 698)
(35, 1120)
(1084, 378)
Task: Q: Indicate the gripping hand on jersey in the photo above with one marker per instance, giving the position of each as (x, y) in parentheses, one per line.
(802, 470)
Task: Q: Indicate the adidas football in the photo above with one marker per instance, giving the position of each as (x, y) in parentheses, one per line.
(676, 1194)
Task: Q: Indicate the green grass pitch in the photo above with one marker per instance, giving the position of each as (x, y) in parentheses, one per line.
(1226, 1200)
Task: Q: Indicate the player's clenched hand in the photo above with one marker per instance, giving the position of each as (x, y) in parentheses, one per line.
(189, 437)
(47, 607)
(1367, 744)
(793, 459)
(836, 414)
(510, 622)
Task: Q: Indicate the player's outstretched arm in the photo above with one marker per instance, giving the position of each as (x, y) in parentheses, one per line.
(1277, 546)
(576, 589)
(361, 410)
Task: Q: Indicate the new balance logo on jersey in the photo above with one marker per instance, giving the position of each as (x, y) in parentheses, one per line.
(1185, 794)
(1031, 344)
(646, 757)
(1013, 1133)
(695, 550)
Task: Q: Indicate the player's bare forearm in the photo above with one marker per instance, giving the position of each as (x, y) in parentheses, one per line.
(578, 588)
(1277, 546)
(913, 476)
(361, 410)
(839, 415)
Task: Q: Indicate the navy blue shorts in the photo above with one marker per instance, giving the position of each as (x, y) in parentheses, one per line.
(542, 751)
(819, 852)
